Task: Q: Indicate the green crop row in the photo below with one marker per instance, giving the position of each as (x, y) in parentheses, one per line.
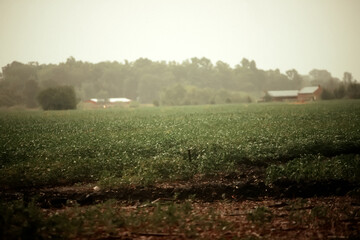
(317, 168)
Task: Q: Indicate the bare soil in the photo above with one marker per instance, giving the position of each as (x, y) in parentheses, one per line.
(292, 206)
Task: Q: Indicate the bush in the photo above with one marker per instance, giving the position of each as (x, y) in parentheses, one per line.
(57, 98)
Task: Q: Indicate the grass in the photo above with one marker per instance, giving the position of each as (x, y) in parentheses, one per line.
(149, 145)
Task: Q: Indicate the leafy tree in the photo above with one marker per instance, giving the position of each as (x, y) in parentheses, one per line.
(31, 90)
(58, 98)
(149, 88)
(225, 75)
(16, 85)
(245, 63)
(145, 81)
(295, 78)
(347, 78)
(353, 90)
(253, 65)
(8, 97)
(19, 72)
(326, 94)
(324, 79)
(340, 92)
(276, 80)
(174, 95)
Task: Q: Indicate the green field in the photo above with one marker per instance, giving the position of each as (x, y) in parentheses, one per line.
(256, 171)
(144, 146)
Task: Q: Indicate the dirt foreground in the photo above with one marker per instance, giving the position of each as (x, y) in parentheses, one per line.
(298, 218)
(226, 208)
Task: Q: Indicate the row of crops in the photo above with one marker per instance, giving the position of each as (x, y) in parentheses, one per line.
(147, 145)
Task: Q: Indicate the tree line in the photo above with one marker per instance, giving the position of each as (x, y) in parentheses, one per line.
(194, 81)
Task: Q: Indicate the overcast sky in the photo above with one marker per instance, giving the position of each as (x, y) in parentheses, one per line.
(284, 34)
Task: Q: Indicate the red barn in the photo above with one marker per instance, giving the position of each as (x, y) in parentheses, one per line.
(309, 93)
(305, 94)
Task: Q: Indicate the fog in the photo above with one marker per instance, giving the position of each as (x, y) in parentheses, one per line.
(283, 34)
(178, 52)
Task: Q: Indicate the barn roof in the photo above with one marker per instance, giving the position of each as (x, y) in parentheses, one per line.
(285, 93)
(97, 100)
(123, 100)
(308, 90)
(110, 100)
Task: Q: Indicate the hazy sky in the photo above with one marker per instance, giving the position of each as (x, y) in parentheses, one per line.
(284, 34)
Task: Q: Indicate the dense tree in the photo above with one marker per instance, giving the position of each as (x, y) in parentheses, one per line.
(340, 91)
(245, 63)
(348, 88)
(31, 90)
(295, 78)
(225, 75)
(19, 72)
(347, 78)
(19, 84)
(276, 81)
(353, 90)
(174, 95)
(324, 79)
(58, 98)
(327, 94)
(253, 65)
(147, 81)
(9, 97)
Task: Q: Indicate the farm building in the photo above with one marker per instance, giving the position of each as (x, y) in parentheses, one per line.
(109, 102)
(280, 96)
(96, 101)
(309, 93)
(119, 100)
(304, 94)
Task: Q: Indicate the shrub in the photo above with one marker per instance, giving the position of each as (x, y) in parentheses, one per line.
(57, 98)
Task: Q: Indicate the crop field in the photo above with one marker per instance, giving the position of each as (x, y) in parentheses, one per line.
(190, 156)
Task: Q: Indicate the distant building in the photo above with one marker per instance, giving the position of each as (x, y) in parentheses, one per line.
(109, 102)
(309, 93)
(304, 94)
(280, 96)
(119, 100)
(96, 101)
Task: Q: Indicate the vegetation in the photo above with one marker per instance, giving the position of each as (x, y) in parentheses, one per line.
(58, 98)
(149, 145)
(317, 168)
(194, 81)
(140, 149)
(348, 88)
